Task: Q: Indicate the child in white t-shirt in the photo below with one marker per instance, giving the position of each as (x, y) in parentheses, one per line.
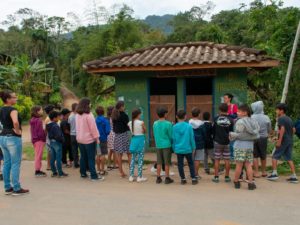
(137, 145)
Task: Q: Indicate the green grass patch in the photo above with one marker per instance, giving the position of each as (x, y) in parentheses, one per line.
(28, 152)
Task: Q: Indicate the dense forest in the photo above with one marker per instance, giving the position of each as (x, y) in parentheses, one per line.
(46, 52)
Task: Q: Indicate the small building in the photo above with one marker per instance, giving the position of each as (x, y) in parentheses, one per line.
(181, 76)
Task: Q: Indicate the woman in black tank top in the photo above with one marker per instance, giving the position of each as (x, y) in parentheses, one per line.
(11, 144)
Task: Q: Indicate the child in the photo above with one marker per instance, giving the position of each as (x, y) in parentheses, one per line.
(162, 131)
(209, 142)
(48, 109)
(261, 145)
(74, 144)
(110, 142)
(284, 145)
(137, 145)
(103, 126)
(38, 138)
(56, 138)
(246, 131)
(223, 124)
(1, 158)
(184, 145)
(66, 130)
(199, 135)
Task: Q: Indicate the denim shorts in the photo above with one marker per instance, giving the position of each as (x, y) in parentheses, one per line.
(285, 151)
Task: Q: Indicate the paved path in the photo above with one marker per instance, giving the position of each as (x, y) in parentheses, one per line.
(73, 201)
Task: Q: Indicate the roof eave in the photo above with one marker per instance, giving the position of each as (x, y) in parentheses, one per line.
(263, 64)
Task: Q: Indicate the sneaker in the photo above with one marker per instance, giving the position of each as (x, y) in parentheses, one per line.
(215, 179)
(168, 180)
(293, 180)
(194, 181)
(198, 177)
(251, 186)
(172, 173)
(158, 180)
(183, 181)
(162, 173)
(227, 179)
(99, 178)
(237, 184)
(273, 177)
(9, 191)
(20, 192)
(84, 176)
(1, 177)
(153, 170)
(63, 175)
(141, 179)
(54, 174)
(131, 179)
(40, 174)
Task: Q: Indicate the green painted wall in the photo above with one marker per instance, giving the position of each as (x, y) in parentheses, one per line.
(132, 88)
(181, 93)
(233, 81)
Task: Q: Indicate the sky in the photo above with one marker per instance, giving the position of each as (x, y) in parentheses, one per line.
(142, 8)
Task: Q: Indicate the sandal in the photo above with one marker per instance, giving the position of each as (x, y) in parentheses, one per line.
(264, 175)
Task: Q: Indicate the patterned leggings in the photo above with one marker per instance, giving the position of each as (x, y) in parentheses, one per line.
(140, 158)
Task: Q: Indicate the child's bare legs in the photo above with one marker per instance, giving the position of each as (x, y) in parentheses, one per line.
(238, 170)
(292, 166)
(158, 169)
(255, 167)
(102, 163)
(227, 167)
(119, 160)
(110, 158)
(249, 171)
(217, 166)
(197, 166)
(263, 167)
(129, 158)
(98, 161)
(167, 170)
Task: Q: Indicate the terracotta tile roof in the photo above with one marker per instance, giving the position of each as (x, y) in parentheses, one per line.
(181, 54)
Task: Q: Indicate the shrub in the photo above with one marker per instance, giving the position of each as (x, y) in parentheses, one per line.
(23, 106)
(55, 98)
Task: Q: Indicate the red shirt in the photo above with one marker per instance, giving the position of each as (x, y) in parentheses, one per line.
(232, 109)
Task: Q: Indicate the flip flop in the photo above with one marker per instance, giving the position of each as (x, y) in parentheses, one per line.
(264, 175)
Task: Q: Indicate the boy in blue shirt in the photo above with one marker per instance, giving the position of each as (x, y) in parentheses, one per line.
(104, 129)
(184, 145)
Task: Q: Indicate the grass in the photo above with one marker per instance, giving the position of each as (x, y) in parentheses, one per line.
(28, 152)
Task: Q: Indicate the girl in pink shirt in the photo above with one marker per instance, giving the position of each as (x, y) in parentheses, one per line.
(87, 136)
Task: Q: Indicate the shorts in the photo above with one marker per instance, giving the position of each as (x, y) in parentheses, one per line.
(285, 151)
(210, 152)
(243, 155)
(199, 155)
(164, 156)
(137, 144)
(222, 152)
(103, 149)
(260, 148)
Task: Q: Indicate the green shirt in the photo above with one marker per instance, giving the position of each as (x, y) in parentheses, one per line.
(162, 130)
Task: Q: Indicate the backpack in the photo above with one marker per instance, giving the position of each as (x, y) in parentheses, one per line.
(297, 126)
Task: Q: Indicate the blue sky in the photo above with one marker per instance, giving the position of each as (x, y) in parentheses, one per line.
(142, 8)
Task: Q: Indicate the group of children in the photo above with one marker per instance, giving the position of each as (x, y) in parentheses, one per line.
(234, 133)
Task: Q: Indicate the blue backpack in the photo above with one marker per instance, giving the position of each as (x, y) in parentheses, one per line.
(297, 126)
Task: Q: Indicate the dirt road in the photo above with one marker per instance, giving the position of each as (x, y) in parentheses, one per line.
(74, 201)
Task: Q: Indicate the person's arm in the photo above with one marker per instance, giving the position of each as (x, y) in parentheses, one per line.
(107, 127)
(41, 131)
(280, 133)
(192, 138)
(16, 124)
(144, 128)
(93, 128)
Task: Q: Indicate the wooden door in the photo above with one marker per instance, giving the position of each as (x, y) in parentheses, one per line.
(203, 102)
(168, 101)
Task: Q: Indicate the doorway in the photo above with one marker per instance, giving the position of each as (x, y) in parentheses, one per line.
(163, 92)
(199, 93)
